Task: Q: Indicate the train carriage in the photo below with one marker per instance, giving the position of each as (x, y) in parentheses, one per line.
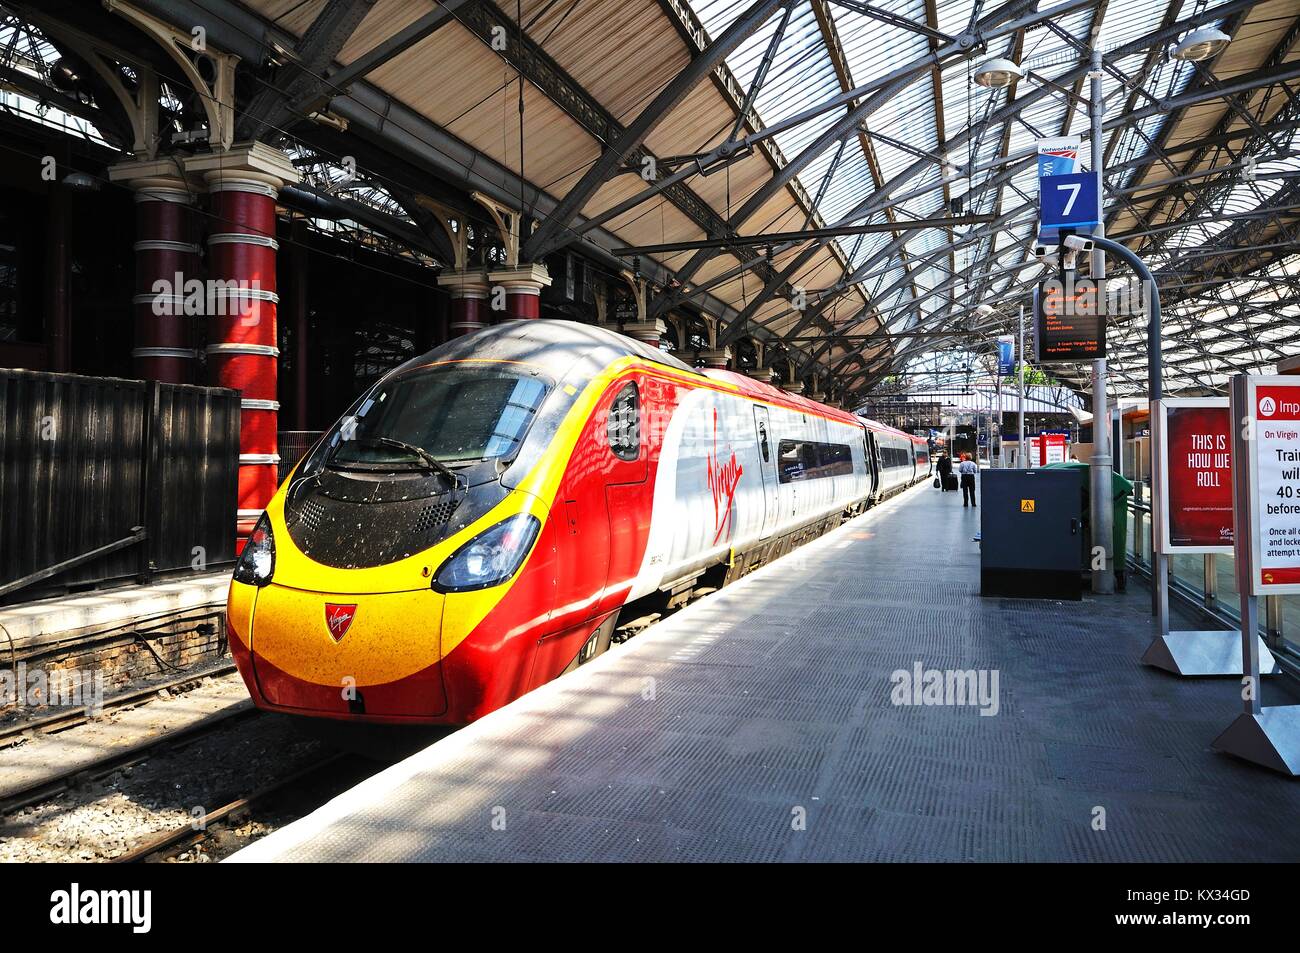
(475, 524)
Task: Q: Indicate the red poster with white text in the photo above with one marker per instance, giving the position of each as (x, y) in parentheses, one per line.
(1199, 461)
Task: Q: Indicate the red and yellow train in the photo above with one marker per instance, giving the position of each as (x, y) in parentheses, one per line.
(474, 525)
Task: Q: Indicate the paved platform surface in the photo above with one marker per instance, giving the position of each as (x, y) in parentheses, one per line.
(45, 619)
(758, 724)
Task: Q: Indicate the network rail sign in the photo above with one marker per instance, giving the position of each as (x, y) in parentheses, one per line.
(1067, 198)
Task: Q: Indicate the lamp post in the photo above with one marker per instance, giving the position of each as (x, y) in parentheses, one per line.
(1103, 501)
(994, 74)
(1021, 457)
(998, 72)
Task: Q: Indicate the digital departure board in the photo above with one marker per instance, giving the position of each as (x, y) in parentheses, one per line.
(1069, 321)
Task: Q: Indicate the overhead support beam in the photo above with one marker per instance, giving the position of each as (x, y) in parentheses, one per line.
(776, 238)
(444, 12)
(889, 86)
(616, 153)
(1008, 112)
(299, 87)
(893, 19)
(844, 73)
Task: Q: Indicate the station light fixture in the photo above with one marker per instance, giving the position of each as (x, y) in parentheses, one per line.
(997, 73)
(1200, 45)
(81, 182)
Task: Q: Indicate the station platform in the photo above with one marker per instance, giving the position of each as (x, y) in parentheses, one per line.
(760, 724)
(56, 617)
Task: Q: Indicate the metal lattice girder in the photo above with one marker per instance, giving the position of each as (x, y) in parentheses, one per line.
(616, 153)
(1173, 200)
(299, 86)
(1263, 78)
(887, 88)
(1169, 31)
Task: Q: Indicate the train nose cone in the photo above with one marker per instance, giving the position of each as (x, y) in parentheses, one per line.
(327, 652)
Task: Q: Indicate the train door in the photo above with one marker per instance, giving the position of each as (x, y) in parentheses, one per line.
(628, 496)
(872, 462)
(767, 466)
(606, 525)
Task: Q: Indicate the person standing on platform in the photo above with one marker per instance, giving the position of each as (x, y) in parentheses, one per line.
(944, 466)
(967, 469)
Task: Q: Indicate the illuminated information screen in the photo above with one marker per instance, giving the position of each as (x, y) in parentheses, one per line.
(1069, 321)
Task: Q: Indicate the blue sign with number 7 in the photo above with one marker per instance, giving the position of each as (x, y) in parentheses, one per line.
(1068, 201)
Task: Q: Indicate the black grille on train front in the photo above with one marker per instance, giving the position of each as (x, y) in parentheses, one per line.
(434, 516)
(356, 535)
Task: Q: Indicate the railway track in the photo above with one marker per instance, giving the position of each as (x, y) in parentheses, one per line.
(50, 787)
(296, 787)
(71, 718)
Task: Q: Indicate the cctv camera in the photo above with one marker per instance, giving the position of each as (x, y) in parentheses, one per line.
(1078, 243)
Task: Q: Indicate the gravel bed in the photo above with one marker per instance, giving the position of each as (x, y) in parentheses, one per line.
(106, 818)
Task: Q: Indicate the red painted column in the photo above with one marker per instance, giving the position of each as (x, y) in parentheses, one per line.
(243, 352)
(469, 293)
(522, 288)
(166, 260)
(243, 348)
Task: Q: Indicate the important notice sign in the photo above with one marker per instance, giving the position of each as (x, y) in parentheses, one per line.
(1196, 475)
(1275, 485)
(1069, 321)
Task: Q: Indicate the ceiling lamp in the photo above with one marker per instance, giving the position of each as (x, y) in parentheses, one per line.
(997, 73)
(1200, 45)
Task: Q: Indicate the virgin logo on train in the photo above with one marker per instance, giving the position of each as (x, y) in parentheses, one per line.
(722, 483)
(338, 619)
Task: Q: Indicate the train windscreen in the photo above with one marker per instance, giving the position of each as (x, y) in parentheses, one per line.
(450, 413)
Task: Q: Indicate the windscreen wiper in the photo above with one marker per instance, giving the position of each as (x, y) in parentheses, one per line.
(420, 452)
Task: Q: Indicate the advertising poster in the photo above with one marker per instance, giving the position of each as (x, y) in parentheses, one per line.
(1054, 448)
(1275, 486)
(1006, 355)
(1196, 476)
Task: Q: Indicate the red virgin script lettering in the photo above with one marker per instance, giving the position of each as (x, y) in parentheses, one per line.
(722, 483)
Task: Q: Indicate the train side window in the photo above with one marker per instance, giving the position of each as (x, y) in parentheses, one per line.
(808, 460)
(788, 465)
(624, 424)
(762, 442)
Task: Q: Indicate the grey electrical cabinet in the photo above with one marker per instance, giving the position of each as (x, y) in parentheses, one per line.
(1030, 521)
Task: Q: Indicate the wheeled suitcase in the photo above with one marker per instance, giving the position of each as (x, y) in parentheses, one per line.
(950, 481)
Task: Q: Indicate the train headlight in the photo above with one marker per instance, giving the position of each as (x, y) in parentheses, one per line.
(256, 563)
(490, 558)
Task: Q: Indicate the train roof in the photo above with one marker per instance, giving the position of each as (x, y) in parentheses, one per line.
(885, 428)
(774, 395)
(554, 345)
(566, 348)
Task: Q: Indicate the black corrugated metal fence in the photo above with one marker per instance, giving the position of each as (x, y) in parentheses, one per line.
(104, 479)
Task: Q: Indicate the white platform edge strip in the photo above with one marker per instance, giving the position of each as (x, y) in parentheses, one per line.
(278, 845)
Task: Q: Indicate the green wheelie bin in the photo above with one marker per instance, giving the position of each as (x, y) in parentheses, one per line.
(1121, 490)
